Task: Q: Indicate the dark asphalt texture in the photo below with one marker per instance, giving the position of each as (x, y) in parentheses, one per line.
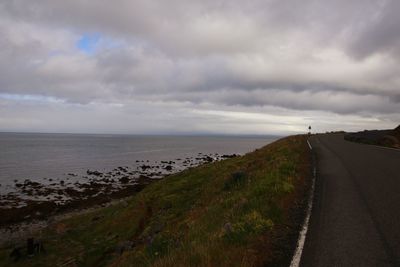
(355, 219)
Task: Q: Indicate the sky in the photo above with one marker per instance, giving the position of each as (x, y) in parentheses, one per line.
(199, 67)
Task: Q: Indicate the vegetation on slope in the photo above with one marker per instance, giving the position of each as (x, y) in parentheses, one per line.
(386, 138)
(243, 211)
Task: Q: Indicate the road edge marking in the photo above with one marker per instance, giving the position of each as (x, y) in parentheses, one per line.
(387, 148)
(303, 232)
(309, 145)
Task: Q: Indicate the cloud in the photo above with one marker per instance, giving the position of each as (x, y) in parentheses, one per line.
(305, 57)
(379, 34)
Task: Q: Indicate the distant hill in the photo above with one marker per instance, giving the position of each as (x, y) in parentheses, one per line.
(386, 138)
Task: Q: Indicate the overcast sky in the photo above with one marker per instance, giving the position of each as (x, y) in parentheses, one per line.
(195, 67)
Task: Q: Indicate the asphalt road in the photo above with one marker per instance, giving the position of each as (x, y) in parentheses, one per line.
(355, 219)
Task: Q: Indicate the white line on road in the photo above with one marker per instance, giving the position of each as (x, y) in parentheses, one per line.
(389, 148)
(303, 233)
(309, 145)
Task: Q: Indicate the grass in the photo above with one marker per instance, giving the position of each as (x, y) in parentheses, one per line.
(236, 212)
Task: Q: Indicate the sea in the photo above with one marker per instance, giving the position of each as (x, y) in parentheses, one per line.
(42, 157)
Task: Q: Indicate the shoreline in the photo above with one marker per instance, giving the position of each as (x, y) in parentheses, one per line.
(18, 232)
(41, 210)
(99, 192)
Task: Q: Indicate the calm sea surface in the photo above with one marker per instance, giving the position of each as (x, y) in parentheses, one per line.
(39, 157)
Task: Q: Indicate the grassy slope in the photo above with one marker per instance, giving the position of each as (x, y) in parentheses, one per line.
(229, 213)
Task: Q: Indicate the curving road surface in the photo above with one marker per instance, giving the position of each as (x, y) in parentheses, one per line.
(355, 219)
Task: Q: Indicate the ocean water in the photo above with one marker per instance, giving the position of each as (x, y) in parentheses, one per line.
(51, 157)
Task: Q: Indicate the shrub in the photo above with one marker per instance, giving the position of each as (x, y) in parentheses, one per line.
(236, 180)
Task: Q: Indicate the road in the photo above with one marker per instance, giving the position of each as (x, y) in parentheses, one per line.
(355, 219)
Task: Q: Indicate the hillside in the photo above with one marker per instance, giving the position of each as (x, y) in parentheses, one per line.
(386, 138)
(244, 211)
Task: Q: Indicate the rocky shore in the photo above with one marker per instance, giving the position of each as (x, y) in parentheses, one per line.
(32, 200)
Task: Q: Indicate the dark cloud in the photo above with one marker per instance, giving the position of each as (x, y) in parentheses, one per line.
(380, 33)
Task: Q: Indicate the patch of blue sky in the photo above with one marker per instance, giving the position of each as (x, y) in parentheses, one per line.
(91, 44)
(31, 98)
(88, 43)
